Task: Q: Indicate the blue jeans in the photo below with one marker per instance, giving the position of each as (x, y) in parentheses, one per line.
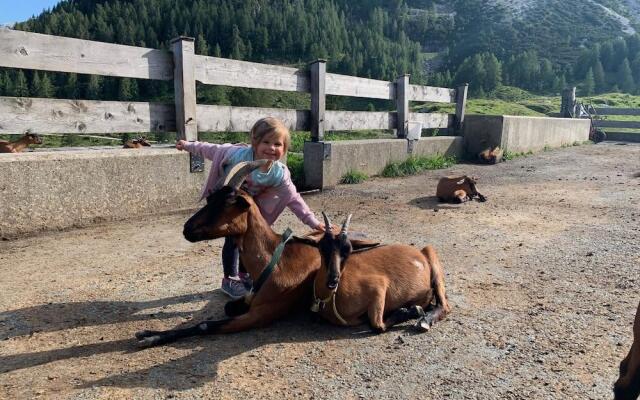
(230, 258)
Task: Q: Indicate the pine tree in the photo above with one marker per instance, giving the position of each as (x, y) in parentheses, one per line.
(624, 77)
(124, 89)
(493, 70)
(589, 83)
(94, 87)
(21, 88)
(202, 47)
(35, 83)
(71, 89)
(599, 78)
(46, 87)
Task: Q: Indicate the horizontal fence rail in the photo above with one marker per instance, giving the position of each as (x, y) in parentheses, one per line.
(604, 123)
(227, 72)
(181, 65)
(618, 111)
(29, 50)
(18, 115)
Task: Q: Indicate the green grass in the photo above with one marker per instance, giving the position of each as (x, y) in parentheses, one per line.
(414, 165)
(353, 177)
(295, 162)
(510, 155)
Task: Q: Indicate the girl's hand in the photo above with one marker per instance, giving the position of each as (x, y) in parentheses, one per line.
(180, 144)
(320, 227)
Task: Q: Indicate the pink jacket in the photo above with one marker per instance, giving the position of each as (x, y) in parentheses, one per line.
(271, 202)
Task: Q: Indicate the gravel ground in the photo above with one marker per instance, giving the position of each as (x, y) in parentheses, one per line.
(543, 280)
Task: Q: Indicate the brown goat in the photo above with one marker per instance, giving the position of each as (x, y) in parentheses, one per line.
(390, 284)
(232, 212)
(136, 143)
(458, 189)
(20, 144)
(628, 384)
(491, 156)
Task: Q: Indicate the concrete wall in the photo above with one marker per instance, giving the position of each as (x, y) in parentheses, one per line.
(56, 190)
(325, 163)
(521, 134)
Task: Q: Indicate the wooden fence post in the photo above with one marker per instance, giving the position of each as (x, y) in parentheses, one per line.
(184, 85)
(461, 104)
(318, 99)
(402, 105)
(568, 103)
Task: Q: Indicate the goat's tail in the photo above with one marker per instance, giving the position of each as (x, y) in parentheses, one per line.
(442, 307)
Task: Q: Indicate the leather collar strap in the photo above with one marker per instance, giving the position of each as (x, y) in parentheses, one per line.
(266, 272)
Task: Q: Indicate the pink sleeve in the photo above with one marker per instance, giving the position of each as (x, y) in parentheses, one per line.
(296, 203)
(206, 150)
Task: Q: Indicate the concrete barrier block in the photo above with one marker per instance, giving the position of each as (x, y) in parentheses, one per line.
(444, 145)
(58, 190)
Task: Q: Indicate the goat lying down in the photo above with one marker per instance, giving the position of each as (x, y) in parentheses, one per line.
(458, 189)
(136, 143)
(232, 212)
(388, 284)
(20, 144)
(628, 384)
(491, 156)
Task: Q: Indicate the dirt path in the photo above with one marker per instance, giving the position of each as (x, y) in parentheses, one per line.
(543, 279)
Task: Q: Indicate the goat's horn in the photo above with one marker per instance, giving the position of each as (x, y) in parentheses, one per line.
(240, 171)
(345, 225)
(327, 223)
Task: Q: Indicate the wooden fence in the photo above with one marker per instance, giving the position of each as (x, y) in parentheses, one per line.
(28, 50)
(600, 117)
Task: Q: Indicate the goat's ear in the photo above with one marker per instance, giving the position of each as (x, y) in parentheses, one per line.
(241, 202)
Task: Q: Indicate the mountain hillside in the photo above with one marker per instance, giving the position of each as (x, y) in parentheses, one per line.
(538, 45)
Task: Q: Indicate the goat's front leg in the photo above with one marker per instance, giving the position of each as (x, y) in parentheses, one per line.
(481, 197)
(403, 315)
(255, 317)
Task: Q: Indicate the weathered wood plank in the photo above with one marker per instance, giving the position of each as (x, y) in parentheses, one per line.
(433, 120)
(461, 105)
(53, 53)
(184, 88)
(402, 106)
(344, 85)
(83, 116)
(432, 93)
(618, 111)
(616, 124)
(354, 120)
(227, 72)
(241, 119)
(318, 99)
(624, 136)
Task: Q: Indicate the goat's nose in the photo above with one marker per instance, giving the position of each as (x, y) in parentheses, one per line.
(333, 283)
(188, 234)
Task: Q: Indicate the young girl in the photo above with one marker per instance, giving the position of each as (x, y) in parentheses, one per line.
(270, 186)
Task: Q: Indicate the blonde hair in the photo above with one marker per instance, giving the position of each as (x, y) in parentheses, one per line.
(268, 126)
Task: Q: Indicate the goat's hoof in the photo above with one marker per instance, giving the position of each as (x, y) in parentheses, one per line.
(423, 324)
(150, 341)
(145, 334)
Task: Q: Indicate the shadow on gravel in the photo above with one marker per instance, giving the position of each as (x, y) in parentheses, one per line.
(191, 371)
(60, 316)
(431, 203)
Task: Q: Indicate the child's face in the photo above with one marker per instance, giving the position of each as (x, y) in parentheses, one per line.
(270, 147)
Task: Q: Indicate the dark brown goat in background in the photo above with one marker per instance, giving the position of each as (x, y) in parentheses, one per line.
(458, 189)
(20, 144)
(390, 284)
(136, 143)
(627, 387)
